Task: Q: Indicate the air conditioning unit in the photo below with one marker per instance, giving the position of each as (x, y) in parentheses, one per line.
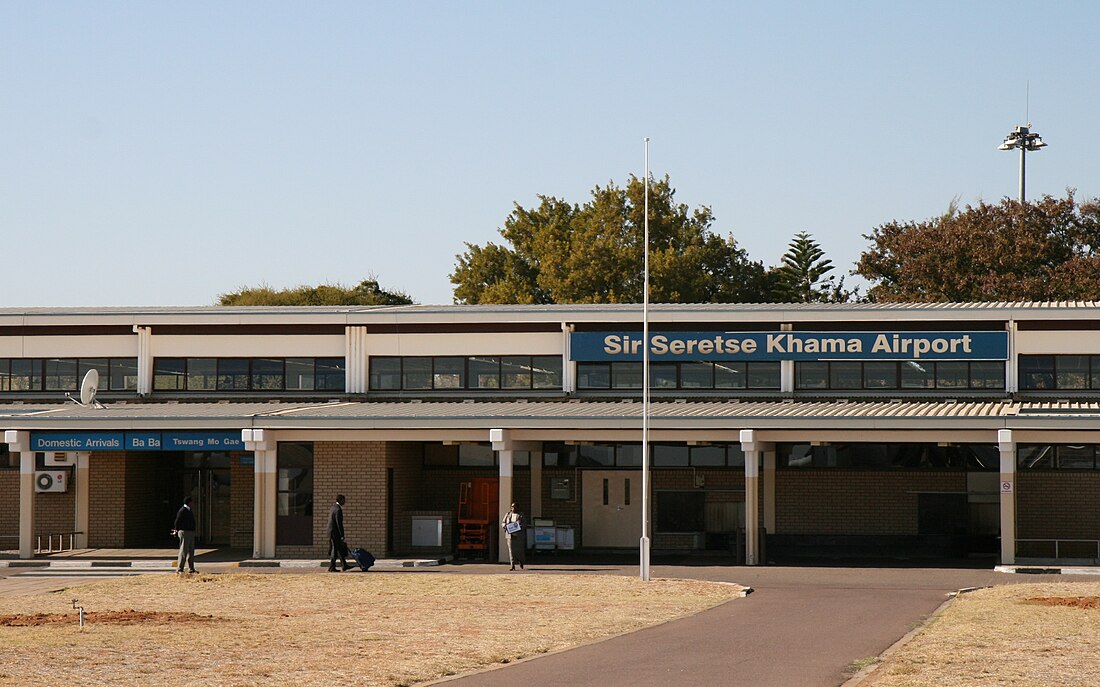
(60, 459)
(51, 480)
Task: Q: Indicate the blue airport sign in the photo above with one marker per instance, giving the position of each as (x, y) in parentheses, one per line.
(136, 441)
(737, 346)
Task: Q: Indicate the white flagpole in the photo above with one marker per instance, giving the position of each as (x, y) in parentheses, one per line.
(644, 543)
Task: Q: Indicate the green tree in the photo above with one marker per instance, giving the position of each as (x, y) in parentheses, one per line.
(559, 252)
(800, 278)
(366, 292)
(1040, 251)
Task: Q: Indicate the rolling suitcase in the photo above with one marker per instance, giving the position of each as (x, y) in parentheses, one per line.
(363, 558)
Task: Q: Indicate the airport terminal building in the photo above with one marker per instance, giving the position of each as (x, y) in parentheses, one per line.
(775, 430)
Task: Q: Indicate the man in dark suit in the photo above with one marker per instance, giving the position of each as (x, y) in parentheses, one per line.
(184, 527)
(335, 532)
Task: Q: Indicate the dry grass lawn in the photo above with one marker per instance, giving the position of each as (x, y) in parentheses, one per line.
(998, 637)
(315, 629)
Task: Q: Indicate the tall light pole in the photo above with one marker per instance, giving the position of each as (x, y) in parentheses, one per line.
(643, 544)
(1025, 139)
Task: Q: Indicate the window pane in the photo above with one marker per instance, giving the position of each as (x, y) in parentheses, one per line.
(880, 375)
(416, 373)
(202, 374)
(628, 455)
(1029, 456)
(845, 375)
(124, 374)
(662, 375)
(730, 376)
(626, 375)
(596, 455)
(385, 373)
(1036, 372)
(987, 375)
(708, 456)
(917, 375)
(5, 382)
(1072, 372)
(485, 373)
(61, 374)
(593, 376)
(169, 374)
(515, 372)
(1095, 371)
(476, 455)
(763, 375)
(1075, 457)
(555, 454)
(697, 375)
(232, 374)
(100, 365)
(26, 374)
(298, 373)
(670, 455)
(267, 374)
(812, 375)
(546, 371)
(449, 373)
(952, 375)
(329, 374)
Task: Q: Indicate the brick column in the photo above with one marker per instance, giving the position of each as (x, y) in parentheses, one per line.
(536, 483)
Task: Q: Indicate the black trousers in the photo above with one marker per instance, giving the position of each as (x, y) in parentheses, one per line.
(337, 547)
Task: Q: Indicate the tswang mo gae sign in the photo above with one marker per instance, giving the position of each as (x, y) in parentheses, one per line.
(734, 346)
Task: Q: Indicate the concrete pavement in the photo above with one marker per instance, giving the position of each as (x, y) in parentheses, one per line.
(801, 626)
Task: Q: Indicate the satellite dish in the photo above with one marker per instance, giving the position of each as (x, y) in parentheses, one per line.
(88, 387)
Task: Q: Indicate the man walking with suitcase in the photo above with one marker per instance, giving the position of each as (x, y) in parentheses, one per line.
(335, 532)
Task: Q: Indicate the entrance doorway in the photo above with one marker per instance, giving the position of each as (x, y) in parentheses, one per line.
(206, 479)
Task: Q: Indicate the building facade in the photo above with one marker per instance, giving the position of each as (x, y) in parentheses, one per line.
(775, 430)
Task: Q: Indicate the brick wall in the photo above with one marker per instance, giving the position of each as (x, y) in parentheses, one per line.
(242, 480)
(9, 509)
(854, 502)
(107, 496)
(1057, 505)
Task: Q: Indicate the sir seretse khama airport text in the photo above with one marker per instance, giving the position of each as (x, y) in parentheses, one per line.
(780, 344)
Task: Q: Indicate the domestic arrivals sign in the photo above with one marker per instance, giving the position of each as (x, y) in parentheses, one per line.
(136, 441)
(734, 346)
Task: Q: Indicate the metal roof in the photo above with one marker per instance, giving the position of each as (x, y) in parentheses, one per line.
(565, 414)
(549, 312)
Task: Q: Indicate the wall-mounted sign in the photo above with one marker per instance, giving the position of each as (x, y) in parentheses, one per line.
(136, 441)
(734, 346)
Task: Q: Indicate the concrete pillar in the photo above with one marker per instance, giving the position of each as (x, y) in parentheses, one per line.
(265, 489)
(769, 488)
(355, 360)
(26, 504)
(502, 444)
(536, 484)
(82, 494)
(569, 368)
(752, 452)
(19, 443)
(145, 360)
(1007, 445)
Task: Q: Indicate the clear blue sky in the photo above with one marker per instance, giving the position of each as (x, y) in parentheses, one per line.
(163, 153)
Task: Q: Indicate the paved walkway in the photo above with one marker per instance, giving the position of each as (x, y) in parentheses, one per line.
(801, 626)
